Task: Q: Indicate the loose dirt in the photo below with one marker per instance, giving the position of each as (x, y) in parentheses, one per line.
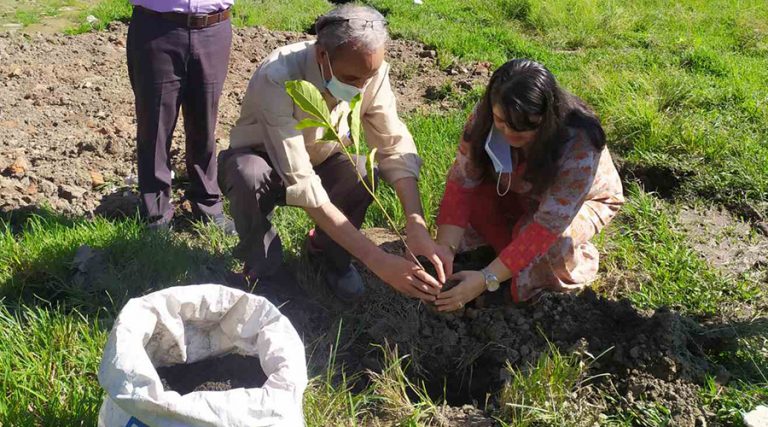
(642, 356)
(219, 374)
(67, 123)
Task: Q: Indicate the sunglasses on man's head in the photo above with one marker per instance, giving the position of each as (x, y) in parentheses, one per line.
(356, 23)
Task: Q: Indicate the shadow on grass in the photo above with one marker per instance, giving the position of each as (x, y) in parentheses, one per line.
(90, 265)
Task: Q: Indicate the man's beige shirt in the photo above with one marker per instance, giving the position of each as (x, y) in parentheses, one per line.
(268, 123)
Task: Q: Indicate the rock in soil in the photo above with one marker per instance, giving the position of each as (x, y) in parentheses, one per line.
(219, 374)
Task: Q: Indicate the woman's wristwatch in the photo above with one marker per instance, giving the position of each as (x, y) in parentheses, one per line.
(491, 281)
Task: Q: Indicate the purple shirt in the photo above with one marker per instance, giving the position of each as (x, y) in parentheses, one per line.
(184, 6)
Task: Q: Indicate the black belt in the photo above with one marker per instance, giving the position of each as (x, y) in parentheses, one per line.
(192, 21)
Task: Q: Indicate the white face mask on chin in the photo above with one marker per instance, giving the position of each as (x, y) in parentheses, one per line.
(338, 89)
(501, 156)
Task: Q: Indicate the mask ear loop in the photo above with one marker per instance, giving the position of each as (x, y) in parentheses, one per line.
(509, 184)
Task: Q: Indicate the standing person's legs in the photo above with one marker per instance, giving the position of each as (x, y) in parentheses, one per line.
(347, 193)
(253, 189)
(156, 51)
(207, 70)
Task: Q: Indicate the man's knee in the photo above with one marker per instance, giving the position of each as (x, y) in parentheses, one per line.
(242, 172)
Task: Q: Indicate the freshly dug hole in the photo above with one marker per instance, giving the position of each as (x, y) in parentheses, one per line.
(219, 374)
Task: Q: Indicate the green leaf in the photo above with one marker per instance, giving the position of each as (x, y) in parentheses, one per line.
(309, 99)
(369, 164)
(330, 136)
(309, 123)
(354, 121)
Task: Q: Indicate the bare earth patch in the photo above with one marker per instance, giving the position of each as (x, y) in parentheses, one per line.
(726, 242)
(67, 123)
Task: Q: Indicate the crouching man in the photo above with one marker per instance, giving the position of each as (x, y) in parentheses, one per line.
(271, 163)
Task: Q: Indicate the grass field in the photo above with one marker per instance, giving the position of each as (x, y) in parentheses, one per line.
(680, 86)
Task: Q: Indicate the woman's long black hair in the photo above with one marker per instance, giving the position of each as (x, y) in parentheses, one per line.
(525, 88)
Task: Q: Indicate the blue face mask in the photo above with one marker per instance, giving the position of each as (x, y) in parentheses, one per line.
(501, 156)
(499, 151)
(339, 90)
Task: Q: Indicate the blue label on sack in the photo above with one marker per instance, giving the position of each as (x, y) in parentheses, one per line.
(133, 422)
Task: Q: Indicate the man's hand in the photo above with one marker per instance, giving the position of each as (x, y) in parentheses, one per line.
(446, 255)
(405, 276)
(421, 243)
(471, 286)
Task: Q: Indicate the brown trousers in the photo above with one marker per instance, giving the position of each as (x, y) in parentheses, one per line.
(254, 188)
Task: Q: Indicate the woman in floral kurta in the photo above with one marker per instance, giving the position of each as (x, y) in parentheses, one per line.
(539, 205)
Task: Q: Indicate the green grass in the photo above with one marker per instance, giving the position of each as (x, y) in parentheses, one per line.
(282, 14)
(548, 392)
(665, 271)
(48, 364)
(680, 86)
(28, 12)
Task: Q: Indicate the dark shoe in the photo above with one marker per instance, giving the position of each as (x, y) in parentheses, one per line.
(224, 223)
(347, 285)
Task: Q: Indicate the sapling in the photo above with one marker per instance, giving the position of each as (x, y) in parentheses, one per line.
(310, 100)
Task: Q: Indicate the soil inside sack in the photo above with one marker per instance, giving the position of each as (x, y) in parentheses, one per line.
(219, 374)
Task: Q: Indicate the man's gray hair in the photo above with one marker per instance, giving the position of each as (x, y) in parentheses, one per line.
(362, 26)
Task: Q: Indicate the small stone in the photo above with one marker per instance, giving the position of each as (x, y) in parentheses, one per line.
(722, 377)
(18, 168)
(428, 53)
(16, 72)
(101, 114)
(70, 192)
(31, 189)
(97, 179)
(634, 352)
(48, 188)
(131, 180)
(113, 147)
(525, 350)
(91, 19)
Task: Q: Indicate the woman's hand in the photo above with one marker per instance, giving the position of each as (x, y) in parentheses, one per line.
(471, 285)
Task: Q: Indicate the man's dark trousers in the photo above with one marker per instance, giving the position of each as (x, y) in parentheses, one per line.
(254, 189)
(171, 66)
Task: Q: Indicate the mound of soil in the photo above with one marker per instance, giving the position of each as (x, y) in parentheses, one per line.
(80, 113)
(219, 374)
(657, 356)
